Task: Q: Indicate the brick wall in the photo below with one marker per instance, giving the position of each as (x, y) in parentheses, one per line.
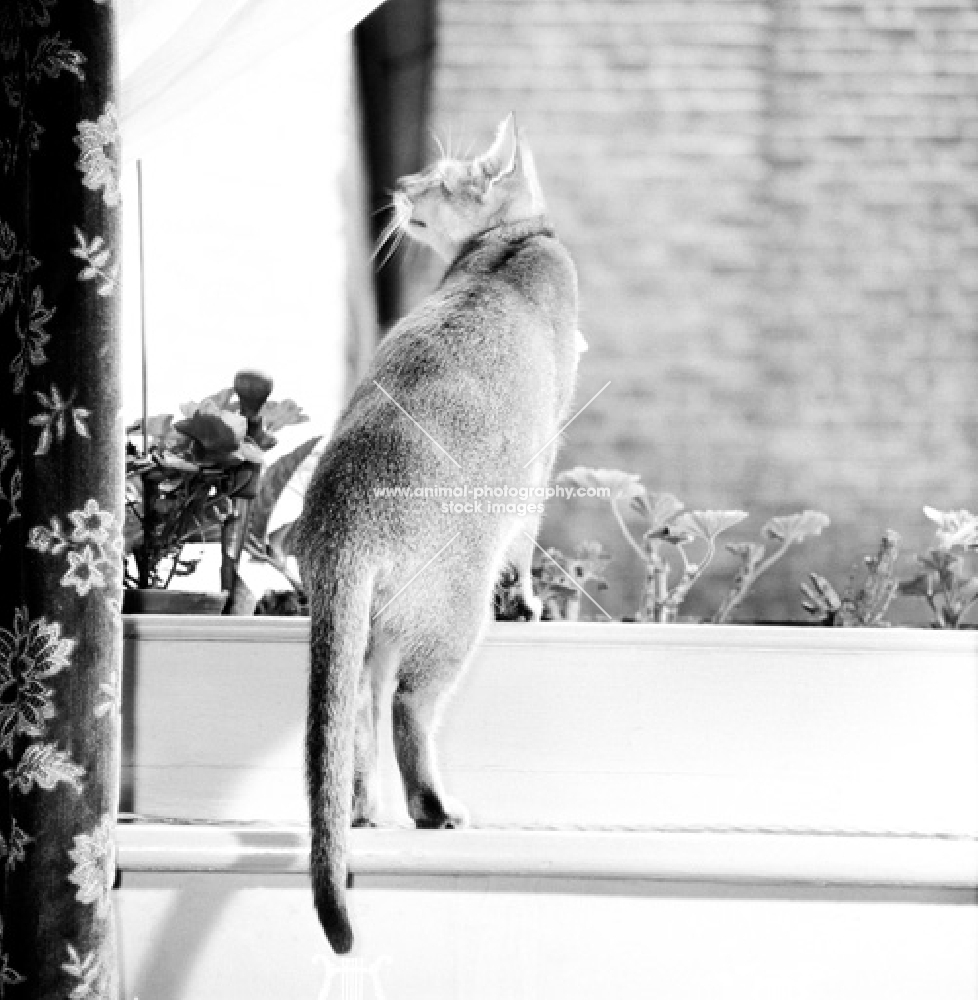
(773, 207)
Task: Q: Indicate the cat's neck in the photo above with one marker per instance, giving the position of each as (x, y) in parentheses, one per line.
(505, 234)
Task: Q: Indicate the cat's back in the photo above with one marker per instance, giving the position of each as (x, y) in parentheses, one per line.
(503, 317)
(475, 378)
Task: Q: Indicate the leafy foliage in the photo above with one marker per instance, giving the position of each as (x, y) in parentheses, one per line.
(561, 580)
(182, 486)
(945, 580)
(668, 527)
(755, 560)
(865, 606)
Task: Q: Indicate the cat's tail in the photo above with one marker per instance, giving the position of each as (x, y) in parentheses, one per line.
(340, 610)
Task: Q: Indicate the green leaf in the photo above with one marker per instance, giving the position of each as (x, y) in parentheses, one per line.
(707, 524)
(822, 598)
(217, 432)
(248, 451)
(619, 485)
(170, 461)
(790, 528)
(943, 563)
(277, 414)
(657, 508)
(220, 400)
(922, 585)
(968, 592)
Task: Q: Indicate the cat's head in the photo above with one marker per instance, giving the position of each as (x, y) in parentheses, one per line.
(454, 200)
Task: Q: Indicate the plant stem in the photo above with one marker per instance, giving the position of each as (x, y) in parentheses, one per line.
(734, 599)
(689, 579)
(965, 609)
(628, 535)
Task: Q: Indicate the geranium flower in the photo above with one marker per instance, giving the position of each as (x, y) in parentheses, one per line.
(954, 527)
(217, 434)
(182, 480)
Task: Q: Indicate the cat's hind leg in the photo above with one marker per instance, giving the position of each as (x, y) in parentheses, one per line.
(378, 671)
(425, 679)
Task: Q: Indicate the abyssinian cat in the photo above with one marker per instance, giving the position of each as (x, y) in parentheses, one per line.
(467, 392)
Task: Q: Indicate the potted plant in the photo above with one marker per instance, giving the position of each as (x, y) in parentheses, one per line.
(193, 480)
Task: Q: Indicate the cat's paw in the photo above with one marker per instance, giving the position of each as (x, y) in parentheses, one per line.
(430, 812)
(456, 815)
(365, 811)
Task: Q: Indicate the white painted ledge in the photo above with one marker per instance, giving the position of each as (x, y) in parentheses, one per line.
(207, 628)
(393, 855)
(584, 725)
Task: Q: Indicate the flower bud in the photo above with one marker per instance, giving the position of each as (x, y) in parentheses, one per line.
(253, 389)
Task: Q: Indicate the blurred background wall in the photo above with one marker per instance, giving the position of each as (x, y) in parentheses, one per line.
(773, 207)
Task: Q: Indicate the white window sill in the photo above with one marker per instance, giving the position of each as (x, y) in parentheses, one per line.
(941, 867)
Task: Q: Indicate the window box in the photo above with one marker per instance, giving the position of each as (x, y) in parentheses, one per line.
(743, 792)
(587, 724)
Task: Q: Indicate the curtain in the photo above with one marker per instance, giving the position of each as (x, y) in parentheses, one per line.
(61, 438)
(61, 502)
(173, 50)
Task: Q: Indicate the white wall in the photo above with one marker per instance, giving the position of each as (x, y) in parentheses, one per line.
(243, 228)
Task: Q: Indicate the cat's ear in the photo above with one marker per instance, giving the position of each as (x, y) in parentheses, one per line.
(525, 170)
(500, 159)
(509, 161)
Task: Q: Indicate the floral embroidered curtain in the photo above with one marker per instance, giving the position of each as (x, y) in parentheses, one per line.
(61, 439)
(61, 498)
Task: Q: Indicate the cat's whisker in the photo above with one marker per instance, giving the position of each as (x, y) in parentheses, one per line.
(438, 143)
(391, 252)
(393, 249)
(396, 225)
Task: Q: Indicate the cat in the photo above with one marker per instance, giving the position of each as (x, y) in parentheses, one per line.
(467, 391)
